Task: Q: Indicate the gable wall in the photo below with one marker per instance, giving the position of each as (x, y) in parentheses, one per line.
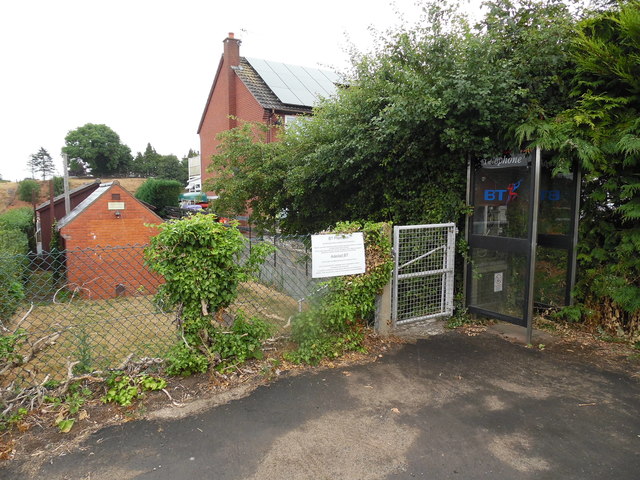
(106, 273)
(216, 119)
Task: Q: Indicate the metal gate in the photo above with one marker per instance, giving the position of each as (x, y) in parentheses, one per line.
(423, 273)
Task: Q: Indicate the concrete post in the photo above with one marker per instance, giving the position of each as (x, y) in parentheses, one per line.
(383, 322)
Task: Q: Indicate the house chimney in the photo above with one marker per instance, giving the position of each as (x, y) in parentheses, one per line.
(232, 50)
(231, 59)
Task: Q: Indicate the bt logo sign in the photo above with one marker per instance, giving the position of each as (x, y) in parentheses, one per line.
(503, 195)
(551, 195)
(511, 194)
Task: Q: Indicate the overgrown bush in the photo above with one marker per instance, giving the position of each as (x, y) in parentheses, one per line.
(199, 259)
(228, 347)
(160, 193)
(335, 323)
(20, 219)
(600, 132)
(13, 264)
(28, 190)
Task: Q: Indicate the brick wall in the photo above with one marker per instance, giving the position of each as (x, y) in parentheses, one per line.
(216, 119)
(106, 273)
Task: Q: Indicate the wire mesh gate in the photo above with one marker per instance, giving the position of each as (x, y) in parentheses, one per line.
(423, 273)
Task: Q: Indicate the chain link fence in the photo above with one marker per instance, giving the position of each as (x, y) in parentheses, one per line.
(96, 306)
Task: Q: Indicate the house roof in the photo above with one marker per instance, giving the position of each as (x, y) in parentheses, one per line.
(73, 191)
(86, 203)
(280, 86)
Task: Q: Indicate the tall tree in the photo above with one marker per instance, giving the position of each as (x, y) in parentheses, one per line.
(192, 153)
(100, 147)
(145, 164)
(151, 164)
(601, 131)
(394, 144)
(171, 168)
(41, 163)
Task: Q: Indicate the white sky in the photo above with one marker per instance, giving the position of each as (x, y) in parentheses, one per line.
(144, 67)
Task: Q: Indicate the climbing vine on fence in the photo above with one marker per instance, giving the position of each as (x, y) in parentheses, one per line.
(199, 259)
(335, 322)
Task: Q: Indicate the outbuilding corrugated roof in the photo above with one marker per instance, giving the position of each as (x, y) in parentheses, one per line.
(82, 206)
(71, 192)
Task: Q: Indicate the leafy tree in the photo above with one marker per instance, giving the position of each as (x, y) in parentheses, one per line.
(192, 153)
(170, 167)
(100, 148)
(144, 164)
(78, 168)
(152, 164)
(22, 220)
(16, 229)
(601, 131)
(13, 265)
(250, 173)
(28, 191)
(41, 163)
(393, 146)
(18, 219)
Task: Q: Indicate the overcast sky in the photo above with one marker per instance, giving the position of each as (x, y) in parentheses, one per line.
(144, 67)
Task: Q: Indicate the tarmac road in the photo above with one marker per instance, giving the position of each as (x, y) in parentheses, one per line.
(447, 407)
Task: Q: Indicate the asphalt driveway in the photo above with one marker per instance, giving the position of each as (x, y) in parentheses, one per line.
(447, 407)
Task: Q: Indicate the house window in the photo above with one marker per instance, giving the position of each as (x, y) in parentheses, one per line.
(115, 196)
(290, 120)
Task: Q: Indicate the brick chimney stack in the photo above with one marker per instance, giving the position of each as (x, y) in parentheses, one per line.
(232, 50)
(231, 56)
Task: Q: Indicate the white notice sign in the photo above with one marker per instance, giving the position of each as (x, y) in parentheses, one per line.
(336, 255)
(497, 282)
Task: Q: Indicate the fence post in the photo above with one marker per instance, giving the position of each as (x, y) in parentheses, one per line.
(383, 320)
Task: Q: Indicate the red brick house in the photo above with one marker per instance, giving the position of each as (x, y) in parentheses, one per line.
(113, 218)
(255, 90)
(44, 220)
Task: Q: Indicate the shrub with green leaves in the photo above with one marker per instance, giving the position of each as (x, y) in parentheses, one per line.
(13, 265)
(18, 219)
(160, 193)
(335, 322)
(601, 132)
(199, 259)
(28, 190)
(228, 347)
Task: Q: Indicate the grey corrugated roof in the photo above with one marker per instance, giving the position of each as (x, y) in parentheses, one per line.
(71, 192)
(281, 86)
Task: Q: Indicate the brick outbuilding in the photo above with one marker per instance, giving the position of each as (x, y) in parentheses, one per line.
(104, 238)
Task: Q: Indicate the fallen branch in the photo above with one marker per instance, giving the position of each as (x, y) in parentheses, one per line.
(174, 403)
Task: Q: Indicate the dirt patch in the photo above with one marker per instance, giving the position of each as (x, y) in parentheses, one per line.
(572, 342)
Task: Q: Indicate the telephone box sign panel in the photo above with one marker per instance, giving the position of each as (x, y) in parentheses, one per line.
(336, 255)
(507, 161)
